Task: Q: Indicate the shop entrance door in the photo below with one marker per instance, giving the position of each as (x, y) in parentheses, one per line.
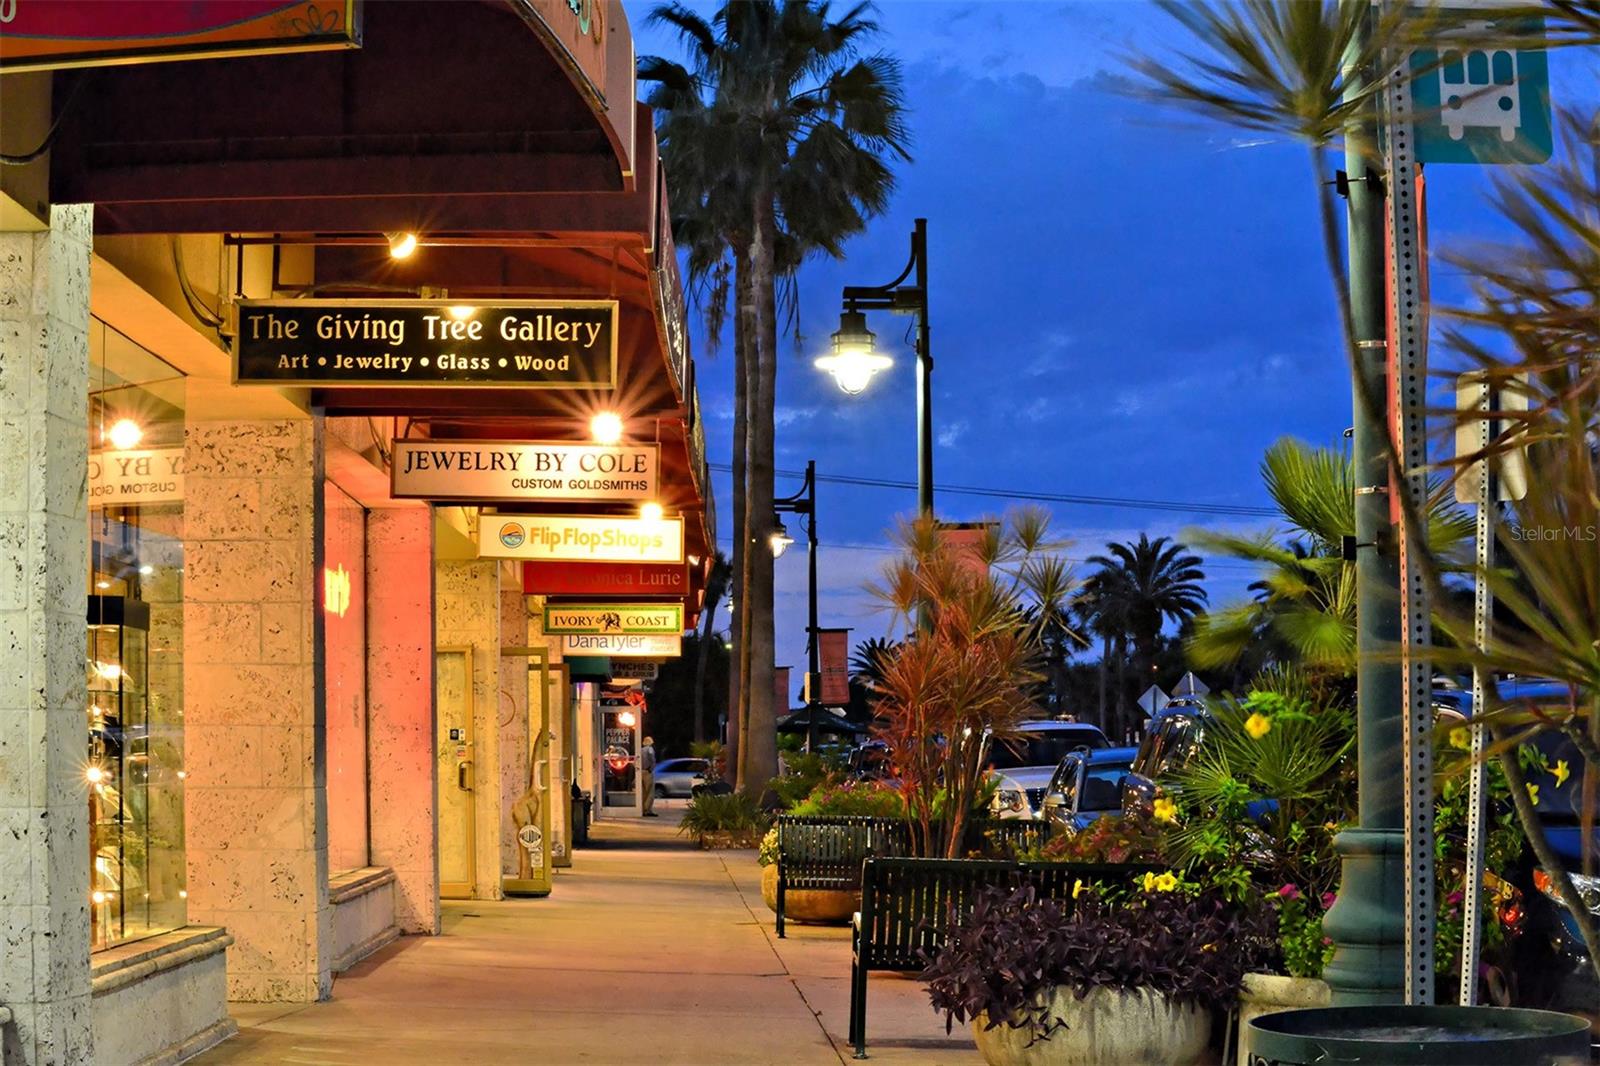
(457, 819)
(619, 761)
(530, 813)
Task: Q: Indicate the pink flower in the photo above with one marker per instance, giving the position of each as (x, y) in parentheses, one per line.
(1289, 892)
(1327, 900)
(1453, 898)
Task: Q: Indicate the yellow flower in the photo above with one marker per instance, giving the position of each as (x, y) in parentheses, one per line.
(1257, 725)
(1560, 773)
(1149, 882)
(1461, 738)
(1533, 794)
(1166, 810)
(1078, 888)
(1167, 882)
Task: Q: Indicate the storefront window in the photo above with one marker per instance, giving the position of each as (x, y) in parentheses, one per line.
(344, 628)
(134, 668)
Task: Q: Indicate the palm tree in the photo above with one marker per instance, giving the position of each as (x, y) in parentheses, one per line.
(778, 133)
(1304, 610)
(716, 585)
(1144, 584)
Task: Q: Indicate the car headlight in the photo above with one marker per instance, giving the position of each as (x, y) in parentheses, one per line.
(1010, 799)
(1588, 888)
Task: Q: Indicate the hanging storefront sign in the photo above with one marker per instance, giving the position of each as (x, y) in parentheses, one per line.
(833, 653)
(525, 344)
(523, 470)
(623, 645)
(49, 34)
(638, 669)
(580, 539)
(146, 475)
(564, 618)
(605, 579)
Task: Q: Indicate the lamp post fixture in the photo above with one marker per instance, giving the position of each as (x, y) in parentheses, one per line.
(855, 358)
(804, 504)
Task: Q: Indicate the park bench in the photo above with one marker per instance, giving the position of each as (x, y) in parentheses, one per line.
(908, 906)
(825, 852)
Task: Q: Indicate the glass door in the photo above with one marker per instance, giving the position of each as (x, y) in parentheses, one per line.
(530, 812)
(457, 819)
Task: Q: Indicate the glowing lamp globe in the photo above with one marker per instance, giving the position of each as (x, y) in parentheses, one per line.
(855, 358)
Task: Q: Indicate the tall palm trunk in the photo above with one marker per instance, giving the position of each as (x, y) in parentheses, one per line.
(759, 758)
(1105, 681)
(707, 629)
(737, 578)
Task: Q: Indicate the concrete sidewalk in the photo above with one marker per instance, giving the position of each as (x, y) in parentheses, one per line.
(647, 952)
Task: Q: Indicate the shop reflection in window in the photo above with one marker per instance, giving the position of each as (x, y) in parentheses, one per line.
(134, 771)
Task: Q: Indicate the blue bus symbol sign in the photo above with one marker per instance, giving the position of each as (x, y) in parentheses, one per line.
(1480, 102)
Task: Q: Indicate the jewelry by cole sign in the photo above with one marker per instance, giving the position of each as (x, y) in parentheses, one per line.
(573, 538)
(564, 618)
(527, 344)
(523, 470)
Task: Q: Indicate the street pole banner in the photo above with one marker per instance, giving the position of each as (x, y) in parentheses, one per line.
(604, 579)
(580, 538)
(512, 344)
(523, 470)
(623, 645)
(572, 618)
(780, 690)
(833, 653)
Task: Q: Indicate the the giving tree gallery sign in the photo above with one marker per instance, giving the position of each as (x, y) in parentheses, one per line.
(528, 344)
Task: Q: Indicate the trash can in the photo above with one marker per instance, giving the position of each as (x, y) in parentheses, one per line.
(1418, 1036)
(581, 803)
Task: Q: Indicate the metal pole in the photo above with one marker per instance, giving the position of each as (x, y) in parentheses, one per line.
(813, 670)
(919, 252)
(1367, 923)
(1482, 625)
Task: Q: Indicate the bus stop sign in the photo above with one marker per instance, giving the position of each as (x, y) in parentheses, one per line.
(1481, 102)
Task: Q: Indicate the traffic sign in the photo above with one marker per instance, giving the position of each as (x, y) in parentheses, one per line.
(1153, 700)
(1479, 101)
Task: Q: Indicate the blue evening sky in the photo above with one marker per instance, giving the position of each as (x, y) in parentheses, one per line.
(1124, 302)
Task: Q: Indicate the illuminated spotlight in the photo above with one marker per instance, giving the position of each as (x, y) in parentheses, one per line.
(147, 570)
(124, 434)
(401, 245)
(628, 719)
(651, 512)
(462, 312)
(94, 775)
(102, 585)
(98, 896)
(606, 427)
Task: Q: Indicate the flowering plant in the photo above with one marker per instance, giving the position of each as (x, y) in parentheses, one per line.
(767, 853)
(871, 798)
(1305, 950)
(1108, 840)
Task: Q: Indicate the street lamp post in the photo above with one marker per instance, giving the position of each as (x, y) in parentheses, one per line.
(804, 504)
(855, 358)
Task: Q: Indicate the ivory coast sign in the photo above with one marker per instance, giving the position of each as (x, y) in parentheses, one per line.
(575, 538)
(523, 470)
(573, 618)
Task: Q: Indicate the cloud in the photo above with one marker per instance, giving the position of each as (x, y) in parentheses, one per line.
(952, 433)
(788, 416)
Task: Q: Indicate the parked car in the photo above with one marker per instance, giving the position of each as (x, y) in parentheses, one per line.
(1022, 765)
(677, 777)
(1086, 785)
(1172, 738)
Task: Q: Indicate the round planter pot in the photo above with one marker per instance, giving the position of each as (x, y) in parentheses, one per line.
(1420, 1036)
(1105, 1026)
(809, 906)
(1268, 993)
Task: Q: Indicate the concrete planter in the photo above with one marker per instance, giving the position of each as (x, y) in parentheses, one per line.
(1105, 1026)
(810, 906)
(1268, 993)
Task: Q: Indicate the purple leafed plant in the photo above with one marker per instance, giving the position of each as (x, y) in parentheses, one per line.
(1015, 948)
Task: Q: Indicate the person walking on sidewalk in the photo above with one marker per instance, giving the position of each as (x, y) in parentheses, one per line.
(647, 776)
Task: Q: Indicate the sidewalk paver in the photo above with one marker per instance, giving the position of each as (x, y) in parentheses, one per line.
(647, 952)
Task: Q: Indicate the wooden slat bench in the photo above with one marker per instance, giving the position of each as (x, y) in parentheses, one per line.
(908, 906)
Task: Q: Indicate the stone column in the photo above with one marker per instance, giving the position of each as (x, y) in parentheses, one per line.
(403, 779)
(254, 737)
(44, 545)
(468, 615)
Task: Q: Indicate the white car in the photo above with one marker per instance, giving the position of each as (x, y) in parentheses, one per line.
(1022, 765)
